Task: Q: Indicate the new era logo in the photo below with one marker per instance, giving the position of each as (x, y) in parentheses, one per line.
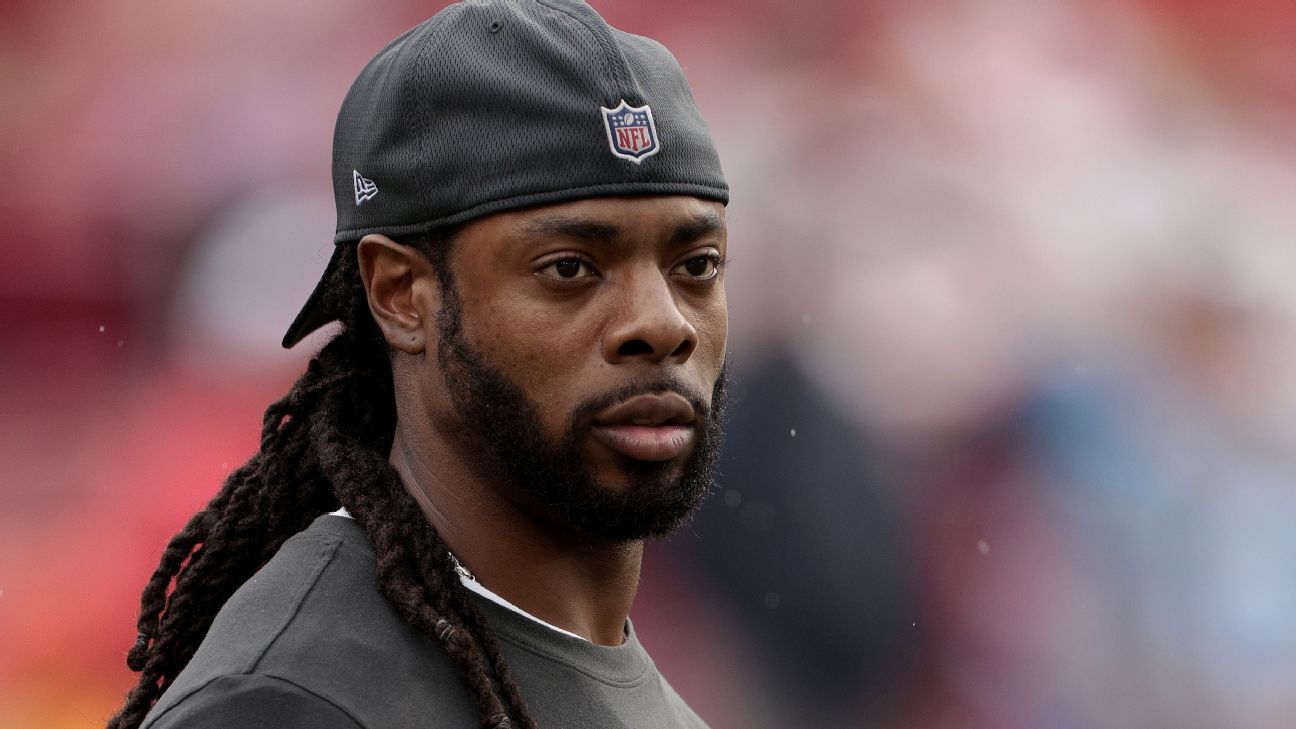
(364, 189)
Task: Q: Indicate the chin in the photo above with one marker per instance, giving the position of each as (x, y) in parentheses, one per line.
(644, 500)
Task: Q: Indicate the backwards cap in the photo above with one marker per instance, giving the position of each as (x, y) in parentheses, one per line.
(492, 105)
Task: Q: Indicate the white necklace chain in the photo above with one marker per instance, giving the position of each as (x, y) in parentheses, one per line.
(463, 571)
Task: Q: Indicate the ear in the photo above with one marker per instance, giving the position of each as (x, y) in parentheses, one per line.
(401, 288)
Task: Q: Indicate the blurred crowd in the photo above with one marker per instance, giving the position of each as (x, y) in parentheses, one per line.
(1013, 438)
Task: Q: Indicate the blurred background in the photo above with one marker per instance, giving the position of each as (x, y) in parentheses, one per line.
(1014, 434)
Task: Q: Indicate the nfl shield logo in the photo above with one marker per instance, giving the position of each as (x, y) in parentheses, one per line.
(631, 132)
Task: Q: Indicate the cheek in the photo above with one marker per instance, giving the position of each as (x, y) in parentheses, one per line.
(553, 350)
(711, 320)
(542, 349)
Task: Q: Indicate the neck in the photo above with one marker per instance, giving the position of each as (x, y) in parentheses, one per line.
(565, 578)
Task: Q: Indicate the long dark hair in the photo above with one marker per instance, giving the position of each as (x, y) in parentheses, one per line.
(323, 445)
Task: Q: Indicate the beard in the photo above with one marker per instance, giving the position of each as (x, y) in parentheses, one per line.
(503, 426)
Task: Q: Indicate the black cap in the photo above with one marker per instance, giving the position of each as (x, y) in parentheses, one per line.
(492, 105)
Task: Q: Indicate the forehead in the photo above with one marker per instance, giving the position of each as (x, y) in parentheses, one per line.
(663, 219)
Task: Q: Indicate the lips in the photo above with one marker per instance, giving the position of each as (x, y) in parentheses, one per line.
(653, 427)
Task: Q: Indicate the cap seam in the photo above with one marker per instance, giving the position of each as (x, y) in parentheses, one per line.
(606, 44)
(407, 93)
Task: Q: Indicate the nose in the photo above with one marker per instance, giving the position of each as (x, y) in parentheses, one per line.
(647, 323)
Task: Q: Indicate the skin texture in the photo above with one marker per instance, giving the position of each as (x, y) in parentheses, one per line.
(572, 304)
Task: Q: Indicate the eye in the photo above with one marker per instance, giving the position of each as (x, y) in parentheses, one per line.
(702, 267)
(567, 269)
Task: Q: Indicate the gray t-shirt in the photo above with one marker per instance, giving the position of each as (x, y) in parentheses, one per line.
(310, 642)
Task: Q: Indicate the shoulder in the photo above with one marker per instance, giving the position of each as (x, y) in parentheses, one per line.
(275, 601)
(313, 623)
(251, 701)
(683, 713)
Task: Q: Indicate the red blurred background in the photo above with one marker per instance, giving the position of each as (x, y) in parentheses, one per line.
(1015, 440)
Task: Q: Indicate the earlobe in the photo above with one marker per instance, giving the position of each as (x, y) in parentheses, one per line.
(400, 289)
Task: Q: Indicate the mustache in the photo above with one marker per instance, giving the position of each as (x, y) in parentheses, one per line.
(583, 415)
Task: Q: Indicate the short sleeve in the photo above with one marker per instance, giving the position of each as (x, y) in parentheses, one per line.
(252, 701)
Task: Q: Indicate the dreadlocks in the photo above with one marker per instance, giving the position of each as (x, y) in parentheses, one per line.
(324, 444)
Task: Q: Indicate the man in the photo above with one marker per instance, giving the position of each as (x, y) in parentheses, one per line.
(444, 523)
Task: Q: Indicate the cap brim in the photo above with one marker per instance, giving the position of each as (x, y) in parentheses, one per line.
(314, 314)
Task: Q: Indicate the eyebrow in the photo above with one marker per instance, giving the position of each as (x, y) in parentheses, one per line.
(587, 230)
(607, 234)
(697, 227)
